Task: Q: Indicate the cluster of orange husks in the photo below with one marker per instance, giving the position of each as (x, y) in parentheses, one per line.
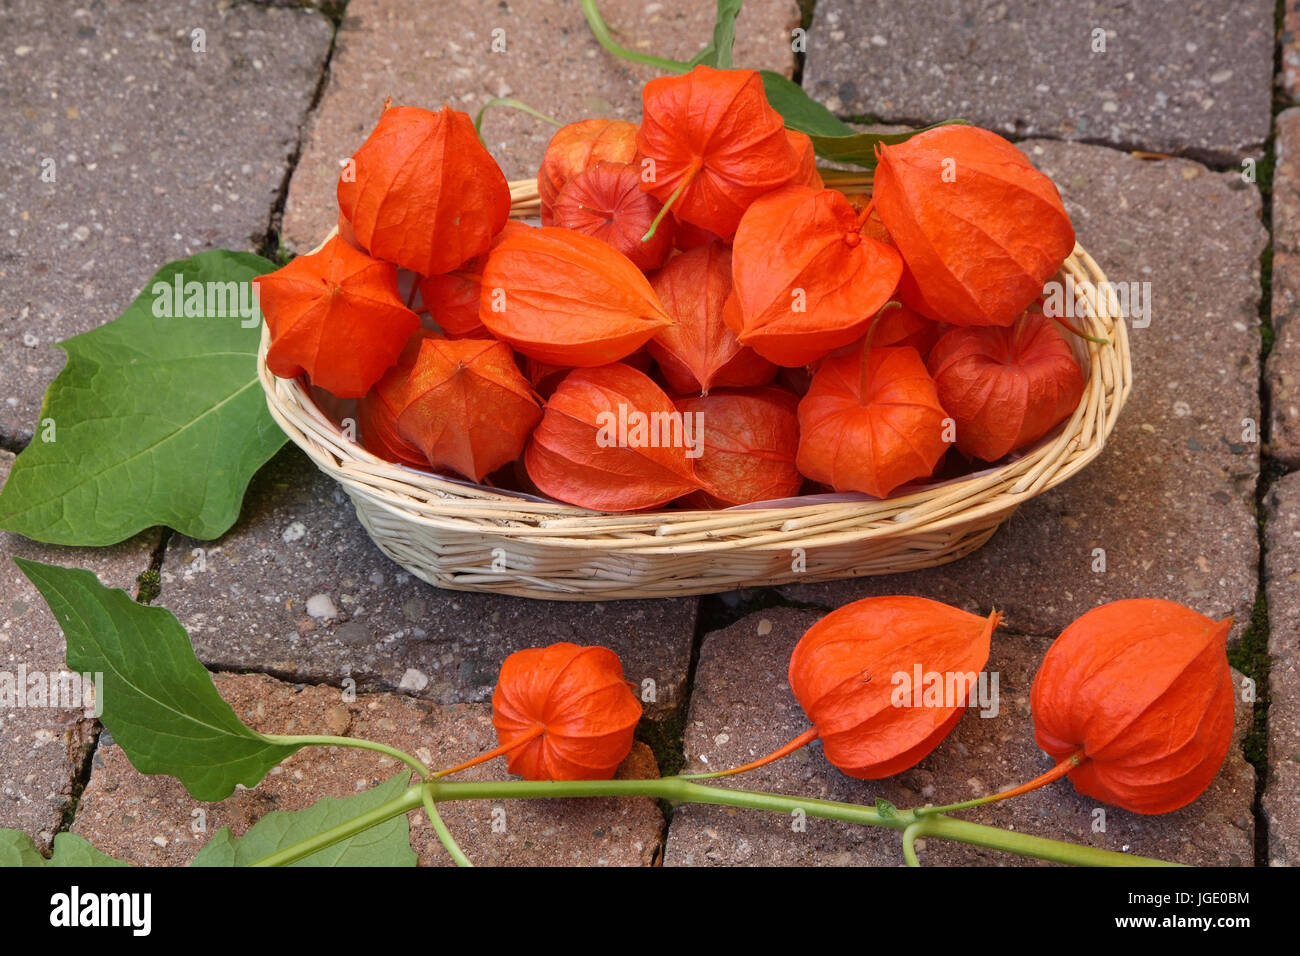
(692, 269)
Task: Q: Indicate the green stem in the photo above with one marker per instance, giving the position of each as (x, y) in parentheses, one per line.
(602, 34)
(913, 831)
(321, 740)
(679, 790)
(444, 835)
(513, 104)
(404, 802)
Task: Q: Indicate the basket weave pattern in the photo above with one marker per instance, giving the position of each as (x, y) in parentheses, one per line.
(476, 539)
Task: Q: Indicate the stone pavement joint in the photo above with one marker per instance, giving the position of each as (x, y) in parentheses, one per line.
(43, 749)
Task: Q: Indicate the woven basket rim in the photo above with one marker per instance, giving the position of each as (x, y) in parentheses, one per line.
(433, 501)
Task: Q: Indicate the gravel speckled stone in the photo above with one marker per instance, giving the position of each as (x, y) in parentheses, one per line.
(126, 146)
(1192, 77)
(1283, 368)
(1281, 803)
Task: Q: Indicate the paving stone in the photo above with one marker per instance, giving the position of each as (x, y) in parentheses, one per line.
(1192, 77)
(42, 749)
(157, 152)
(297, 589)
(742, 708)
(434, 54)
(1281, 802)
(1289, 77)
(152, 821)
(1171, 499)
(1283, 367)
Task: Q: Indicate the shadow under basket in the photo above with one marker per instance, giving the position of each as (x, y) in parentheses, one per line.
(472, 538)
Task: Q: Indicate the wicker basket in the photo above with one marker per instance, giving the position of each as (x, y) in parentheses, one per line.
(471, 538)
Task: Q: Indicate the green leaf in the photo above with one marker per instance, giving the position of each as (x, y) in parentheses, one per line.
(385, 844)
(886, 809)
(155, 420)
(833, 139)
(799, 110)
(17, 849)
(718, 53)
(159, 702)
(860, 148)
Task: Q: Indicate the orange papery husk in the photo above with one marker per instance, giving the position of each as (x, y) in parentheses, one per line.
(606, 201)
(377, 412)
(854, 674)
(452, 299)
(1005, 387)
(687, 236)
(586, 453)
(805, 157)
(713, 135)
(806, 280)
(453, 302)
(871, 440)
(579, 146)
(750, 438)
(567, 711)
(567, 299)
(336, 315)
(699, 351)
(1143, 690)
(980, 228)
(543, 376)
(467, 406)
(900, 325)
(423, 192)
(347, 234)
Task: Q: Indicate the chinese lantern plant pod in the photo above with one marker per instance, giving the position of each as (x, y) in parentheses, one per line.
(157, 418)
(1137, 697)
(561, 711)
(422, 191)
(567, 298)
(981, 230)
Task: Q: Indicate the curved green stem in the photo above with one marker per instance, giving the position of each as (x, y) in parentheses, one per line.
(679, 790)
(444, 835)
(513, 104)
(606, 39)
(910, 834)
(322, 740)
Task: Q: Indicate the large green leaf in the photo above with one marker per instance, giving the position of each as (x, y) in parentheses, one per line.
(718, 52)
(799, 110)
(159, 702)
(156, 420)
(833, 139)
(17, 849)
(386, 844)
